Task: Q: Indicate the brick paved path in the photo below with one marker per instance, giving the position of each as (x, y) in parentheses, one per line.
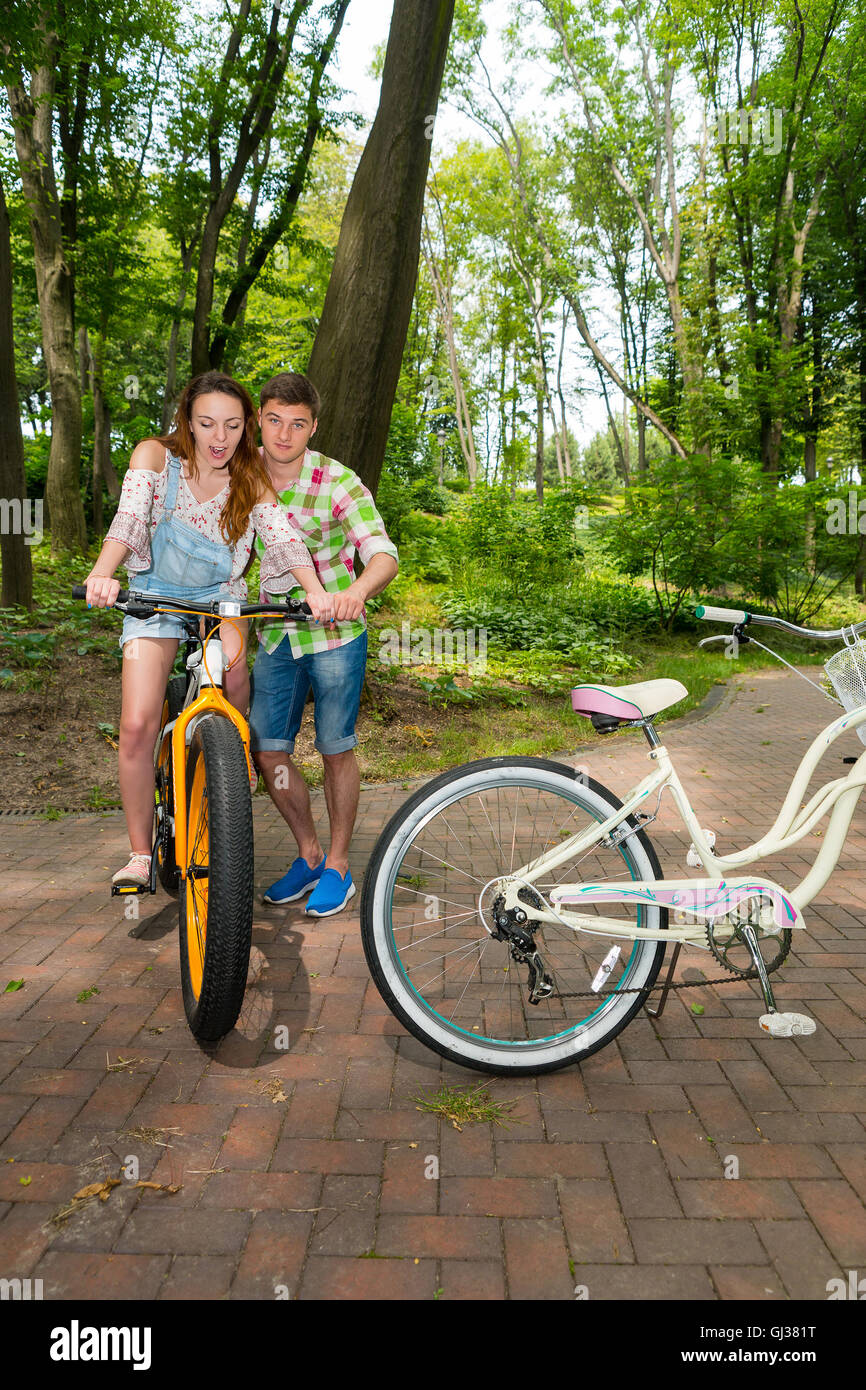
(618, 1166)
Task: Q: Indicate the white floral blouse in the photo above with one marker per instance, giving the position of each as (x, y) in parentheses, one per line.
(142, 502)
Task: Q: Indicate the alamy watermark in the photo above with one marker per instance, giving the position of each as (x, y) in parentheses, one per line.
(20, 1289)
(423, 646)
(22, 516)
(749, 127)
(846, 516)
(853, 1288)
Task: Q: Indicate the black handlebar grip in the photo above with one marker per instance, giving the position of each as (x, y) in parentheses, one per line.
(80, 591)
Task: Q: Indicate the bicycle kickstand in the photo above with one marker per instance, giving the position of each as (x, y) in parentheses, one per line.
(663, 997)
(774, 1022)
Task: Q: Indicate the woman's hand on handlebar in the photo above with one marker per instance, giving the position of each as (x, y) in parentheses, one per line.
(102, 590)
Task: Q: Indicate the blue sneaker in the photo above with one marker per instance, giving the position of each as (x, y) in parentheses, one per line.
(332, 893)
(293, 885)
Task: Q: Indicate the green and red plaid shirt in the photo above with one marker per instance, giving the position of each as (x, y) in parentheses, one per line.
(336, 516)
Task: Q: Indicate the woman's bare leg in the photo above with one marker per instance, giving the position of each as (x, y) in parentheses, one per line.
(236, 682)
(147, 662)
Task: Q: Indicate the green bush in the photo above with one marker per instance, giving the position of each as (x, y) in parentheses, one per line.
(687, 524)
(531, 546)
(614, 604)
(426, 546)
(36, 452)
(428, 496)
(540, 627)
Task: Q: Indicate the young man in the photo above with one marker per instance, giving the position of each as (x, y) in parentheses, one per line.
(336, 516)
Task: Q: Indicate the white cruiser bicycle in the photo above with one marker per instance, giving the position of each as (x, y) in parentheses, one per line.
(479, 911)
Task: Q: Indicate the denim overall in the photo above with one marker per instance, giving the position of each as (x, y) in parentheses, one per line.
(183, 564)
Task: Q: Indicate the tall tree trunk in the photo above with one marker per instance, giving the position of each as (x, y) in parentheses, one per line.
(860, 571)
(539, 440)
(626, 437)
(103, 473)
(356, 356)
(17, 584)
(32, 119)
(169, 399)
(513, 468)
(441, 280)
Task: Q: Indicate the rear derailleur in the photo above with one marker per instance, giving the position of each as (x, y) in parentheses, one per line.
(514, 926)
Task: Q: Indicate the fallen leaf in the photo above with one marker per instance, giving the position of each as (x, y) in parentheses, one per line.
(102, 1190)
(160, 1186)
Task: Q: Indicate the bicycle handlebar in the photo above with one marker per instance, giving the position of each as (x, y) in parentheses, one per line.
(740, 617)
(292, 608)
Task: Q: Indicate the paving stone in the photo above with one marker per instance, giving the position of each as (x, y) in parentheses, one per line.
(616, 1164)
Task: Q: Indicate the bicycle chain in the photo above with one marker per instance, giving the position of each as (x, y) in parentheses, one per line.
(685, 984)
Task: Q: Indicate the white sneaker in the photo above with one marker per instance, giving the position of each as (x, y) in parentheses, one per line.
(137, 871)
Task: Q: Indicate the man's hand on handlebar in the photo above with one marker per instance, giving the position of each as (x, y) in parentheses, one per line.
(348, 605)
(102, 590)
(322, 606)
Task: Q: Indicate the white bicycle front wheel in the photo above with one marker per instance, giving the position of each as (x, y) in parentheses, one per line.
(427, 914)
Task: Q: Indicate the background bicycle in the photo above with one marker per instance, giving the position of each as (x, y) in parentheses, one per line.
(468, 917)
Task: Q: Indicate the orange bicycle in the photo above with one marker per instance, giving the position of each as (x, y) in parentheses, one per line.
(203, 818)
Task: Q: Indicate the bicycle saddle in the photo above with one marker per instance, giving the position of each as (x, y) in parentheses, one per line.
(640, 701)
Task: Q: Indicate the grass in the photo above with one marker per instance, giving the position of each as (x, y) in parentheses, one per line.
(546, 725)
(463, 1107)
(521, 704)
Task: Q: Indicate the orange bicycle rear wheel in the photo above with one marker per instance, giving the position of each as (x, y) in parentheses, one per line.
(216, 900)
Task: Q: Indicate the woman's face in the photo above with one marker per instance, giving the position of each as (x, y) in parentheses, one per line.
(217, 425)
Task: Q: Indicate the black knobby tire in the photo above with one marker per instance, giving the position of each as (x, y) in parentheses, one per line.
(216, 763)
(166, 865)
(529, 1056)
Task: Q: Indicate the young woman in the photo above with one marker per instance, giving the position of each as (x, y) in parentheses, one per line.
(191, 505)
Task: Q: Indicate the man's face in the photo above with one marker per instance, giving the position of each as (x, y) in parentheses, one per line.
(286, 431)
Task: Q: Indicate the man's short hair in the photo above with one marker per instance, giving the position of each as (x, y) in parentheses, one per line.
(291, 388)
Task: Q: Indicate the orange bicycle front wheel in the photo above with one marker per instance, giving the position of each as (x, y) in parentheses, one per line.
(216, 898)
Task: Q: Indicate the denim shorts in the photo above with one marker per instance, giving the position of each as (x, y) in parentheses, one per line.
(280, 682)
(166, 624)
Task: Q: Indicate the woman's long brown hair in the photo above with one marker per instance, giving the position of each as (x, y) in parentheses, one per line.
(248, 480)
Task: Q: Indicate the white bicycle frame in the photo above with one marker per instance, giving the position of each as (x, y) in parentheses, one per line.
(716, 895)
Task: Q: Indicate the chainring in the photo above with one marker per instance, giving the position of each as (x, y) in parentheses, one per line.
(724, 947)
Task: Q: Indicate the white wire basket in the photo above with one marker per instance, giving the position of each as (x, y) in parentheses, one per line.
(847, 673)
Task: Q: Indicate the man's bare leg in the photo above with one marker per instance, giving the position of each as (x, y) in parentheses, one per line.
(291, 796)
(342, 792)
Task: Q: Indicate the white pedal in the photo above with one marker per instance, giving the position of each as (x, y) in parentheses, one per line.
(788, 1025)
(693, 859)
